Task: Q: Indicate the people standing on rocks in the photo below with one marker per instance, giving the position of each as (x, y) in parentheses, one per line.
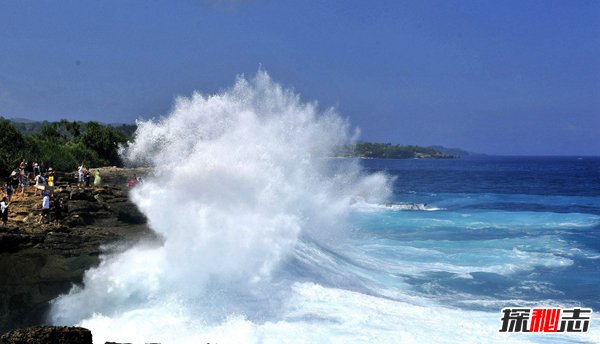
(50, 179)
(80, 174)
(23, 182)
(4, 210)
(40, 184)
(97, 178)
(88, 178)
(8, 188)
(36, 169)
(45, 206)
(16, 182)
(132, 181)
(22, 167)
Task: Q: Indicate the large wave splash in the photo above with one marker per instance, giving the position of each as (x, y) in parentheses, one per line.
(238, 178)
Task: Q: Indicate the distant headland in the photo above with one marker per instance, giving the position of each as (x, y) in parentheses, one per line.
(390, 151)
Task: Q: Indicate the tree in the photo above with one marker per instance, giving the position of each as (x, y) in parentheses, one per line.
(104, 141)
(13, 147)
(50, 132)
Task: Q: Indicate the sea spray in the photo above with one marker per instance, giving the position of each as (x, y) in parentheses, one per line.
(238, 179)
(257, 246)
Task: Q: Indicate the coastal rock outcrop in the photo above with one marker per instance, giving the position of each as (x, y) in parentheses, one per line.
(48, 335)
(40, 260)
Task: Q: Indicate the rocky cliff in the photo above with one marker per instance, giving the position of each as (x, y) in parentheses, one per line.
(48, 335)
(41, 260)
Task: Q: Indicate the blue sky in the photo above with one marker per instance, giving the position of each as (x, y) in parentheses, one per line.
(500, 77)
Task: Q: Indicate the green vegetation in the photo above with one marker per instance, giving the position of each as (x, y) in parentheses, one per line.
(389, 151)
(61, 145)
(30, 128)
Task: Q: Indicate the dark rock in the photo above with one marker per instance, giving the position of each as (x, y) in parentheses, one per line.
(74, 221)
(105, 191)
(12, 242)
(48, 335)
(81, 194)
(65, 177)
(129, 213)
(39, 261)
(99, 198)
(80, 206)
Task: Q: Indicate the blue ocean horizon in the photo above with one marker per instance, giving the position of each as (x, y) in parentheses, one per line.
(495, 232)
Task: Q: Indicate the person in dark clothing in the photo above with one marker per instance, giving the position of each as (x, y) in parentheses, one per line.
(8, 188)
(57, 204)
(36, 169)
(88, 178)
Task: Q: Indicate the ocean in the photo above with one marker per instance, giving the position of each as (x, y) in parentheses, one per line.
(523, 228)
(268, 239)
(496, 232)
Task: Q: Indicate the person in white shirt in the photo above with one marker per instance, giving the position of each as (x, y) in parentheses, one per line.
(45, 206)
(80, 174)
(40, 184)
(4, 210)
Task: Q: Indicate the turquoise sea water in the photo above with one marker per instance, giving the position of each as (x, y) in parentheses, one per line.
(522, 228)
(485, 233)
(495, 232)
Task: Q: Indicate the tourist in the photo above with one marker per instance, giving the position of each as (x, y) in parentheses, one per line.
(15, 181)
(36, 169)
(8, 188)
(24, 180)
(88, 178)
(21, 176)
(4, 210)
(132, 181)
(45, 206)
(97, 178)
(40, 184)
(50, 179)
(22, 167)
(80, 174)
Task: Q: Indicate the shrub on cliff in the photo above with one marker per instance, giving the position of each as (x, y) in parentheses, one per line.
(60, 145)
(13, 147)
(105, 141)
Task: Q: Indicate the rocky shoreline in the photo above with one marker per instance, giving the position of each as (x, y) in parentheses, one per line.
(50, 335)
(39, 261)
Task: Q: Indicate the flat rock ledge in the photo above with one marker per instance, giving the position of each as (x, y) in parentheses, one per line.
(48, 335)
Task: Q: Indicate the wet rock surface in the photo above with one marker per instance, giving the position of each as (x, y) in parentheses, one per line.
(40, 259)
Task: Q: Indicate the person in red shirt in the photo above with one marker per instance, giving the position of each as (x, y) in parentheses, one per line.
(132, 181)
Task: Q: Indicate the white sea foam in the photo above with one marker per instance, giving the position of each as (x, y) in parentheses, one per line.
(237, 178)
(314, 314)
(253, 218)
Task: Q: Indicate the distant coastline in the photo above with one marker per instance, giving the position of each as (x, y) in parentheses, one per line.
(370, 150)
(125, 131)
